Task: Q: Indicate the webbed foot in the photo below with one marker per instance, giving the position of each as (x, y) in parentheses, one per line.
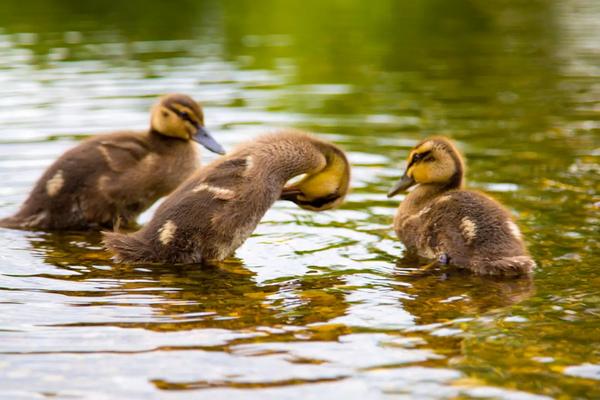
(444, 259)
(424, 268)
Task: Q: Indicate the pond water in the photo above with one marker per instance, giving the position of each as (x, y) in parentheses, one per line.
(316, 305)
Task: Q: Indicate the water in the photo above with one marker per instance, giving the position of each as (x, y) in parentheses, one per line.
(316, 305)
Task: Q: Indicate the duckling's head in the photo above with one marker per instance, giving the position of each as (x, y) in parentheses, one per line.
(325, 188)
(434, 161)
(179, 116)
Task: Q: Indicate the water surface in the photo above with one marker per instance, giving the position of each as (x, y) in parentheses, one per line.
(315, 305)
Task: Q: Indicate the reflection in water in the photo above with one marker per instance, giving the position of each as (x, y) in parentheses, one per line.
(185, 297)
(316, 306)
(444, 296)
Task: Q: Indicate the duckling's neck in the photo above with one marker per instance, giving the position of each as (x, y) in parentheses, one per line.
(288, 156)
(153, 133)
(423, 194)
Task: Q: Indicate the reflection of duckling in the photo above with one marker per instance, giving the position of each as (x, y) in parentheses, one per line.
(117, 176)
(461, 227)
(442, 296)
(216, 210)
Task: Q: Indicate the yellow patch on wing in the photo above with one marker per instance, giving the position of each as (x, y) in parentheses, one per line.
(469, 229)
(412, 217)
(249, 165)
(514, 229)
(106, 155)
(151, 162)
(54, 184)
(103, 181)
(35, 219)
(166, 232)
(443, 199)
(423, 212)
(218, 192)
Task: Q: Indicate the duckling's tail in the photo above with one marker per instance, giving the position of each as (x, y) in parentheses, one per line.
(507, 266)
(11, 222)
(127, 248)
(25, 220)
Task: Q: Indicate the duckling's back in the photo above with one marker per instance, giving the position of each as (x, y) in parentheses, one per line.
(473, 230)
(205, 219)
(53, 202)
(105, 177)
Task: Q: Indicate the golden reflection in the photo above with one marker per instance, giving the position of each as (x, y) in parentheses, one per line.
(446, 293)
(447, 302)
(185, 297)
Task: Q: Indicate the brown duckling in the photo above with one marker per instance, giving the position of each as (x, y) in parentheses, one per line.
(115, 177)
(211, 214)
(442, 221)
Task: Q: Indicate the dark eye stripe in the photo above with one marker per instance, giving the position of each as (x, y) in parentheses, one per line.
(420, 156)
(417, 157)
(184, 115)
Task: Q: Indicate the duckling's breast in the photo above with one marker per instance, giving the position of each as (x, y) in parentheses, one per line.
(412, 227)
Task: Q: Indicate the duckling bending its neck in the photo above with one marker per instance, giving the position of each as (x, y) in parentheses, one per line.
(211, 214)
(114, 177)
(444, 222)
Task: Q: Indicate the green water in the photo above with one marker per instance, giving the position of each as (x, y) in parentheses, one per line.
(316, 306)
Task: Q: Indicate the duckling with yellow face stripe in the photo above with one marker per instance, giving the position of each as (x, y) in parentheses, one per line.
(444, 222)
(211, 214)
(114, 177)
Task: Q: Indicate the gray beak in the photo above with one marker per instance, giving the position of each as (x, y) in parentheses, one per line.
(205, 139)
(404, 183)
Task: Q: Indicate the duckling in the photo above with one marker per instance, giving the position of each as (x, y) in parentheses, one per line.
(211, 214)
(442, 221)
(112, 178)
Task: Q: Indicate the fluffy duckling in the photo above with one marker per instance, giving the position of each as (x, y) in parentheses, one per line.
(114, 177)
(211, 214)
(444, 222)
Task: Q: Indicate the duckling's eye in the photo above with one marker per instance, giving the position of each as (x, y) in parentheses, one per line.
(423, 156)
(186, 117)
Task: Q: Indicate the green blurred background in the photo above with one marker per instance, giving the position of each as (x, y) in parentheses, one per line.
(316, 305)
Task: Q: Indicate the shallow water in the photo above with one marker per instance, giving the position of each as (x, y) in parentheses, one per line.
(315, 305)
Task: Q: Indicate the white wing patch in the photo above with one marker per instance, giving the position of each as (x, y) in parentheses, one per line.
(103, 181)
(443, 198)
(151, 161)
(104, 151)
(514, 229)
(469, 229)
(249, 165)
(54, 184)
(35, 219)
(218, 192)
(166, 232)
(423, 212)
